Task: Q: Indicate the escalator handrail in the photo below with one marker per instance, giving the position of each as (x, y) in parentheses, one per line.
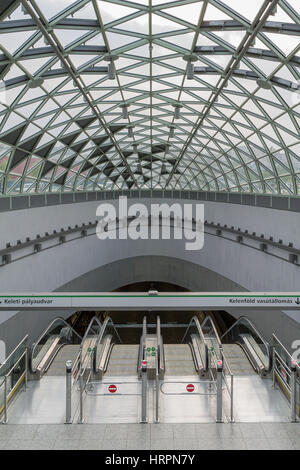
(88, 329)
(44, 333)
(209, 318)
(265, 343)
(101, 334)
(195, 319)
(79, 355)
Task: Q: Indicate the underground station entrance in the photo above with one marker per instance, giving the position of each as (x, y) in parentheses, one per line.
(181, 359)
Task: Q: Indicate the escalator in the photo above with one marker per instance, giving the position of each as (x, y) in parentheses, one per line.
(238, 361)
(58, 343)
(110, 383)
(114, 382)
(123, 360)
(245, 349)
(179, 360)
(58, 365)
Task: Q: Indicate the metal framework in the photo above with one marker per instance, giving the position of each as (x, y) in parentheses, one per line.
(186, 94)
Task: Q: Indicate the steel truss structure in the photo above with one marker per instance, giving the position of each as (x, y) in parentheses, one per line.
(113, 94)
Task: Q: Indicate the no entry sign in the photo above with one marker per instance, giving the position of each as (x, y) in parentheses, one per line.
(112, 388)
(190, 388)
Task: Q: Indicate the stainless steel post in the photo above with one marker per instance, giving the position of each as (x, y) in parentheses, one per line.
(231, 398)
(219, 391)
(81, 398)
(26, 367)
(273, 366)
(144, 392)
(157, 387)
(293, 391)
(68, 392)
(5, 400)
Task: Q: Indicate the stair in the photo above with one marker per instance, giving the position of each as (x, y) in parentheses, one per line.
(66, 353)
(123, 360)
(237, 360)
(179, 360)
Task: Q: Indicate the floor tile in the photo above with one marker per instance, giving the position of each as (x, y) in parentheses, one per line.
(257, 444)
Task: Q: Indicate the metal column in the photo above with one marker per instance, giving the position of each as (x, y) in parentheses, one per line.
(219, 391)
(294, 392)
(144, 392)
(68, 392)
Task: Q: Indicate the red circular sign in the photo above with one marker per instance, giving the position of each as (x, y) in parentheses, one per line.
(190, 388)
(112, 388)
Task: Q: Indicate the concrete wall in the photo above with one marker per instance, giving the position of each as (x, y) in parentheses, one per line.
(20, 224)
(88, 264)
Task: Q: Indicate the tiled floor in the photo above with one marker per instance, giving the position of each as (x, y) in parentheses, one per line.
(210, 436)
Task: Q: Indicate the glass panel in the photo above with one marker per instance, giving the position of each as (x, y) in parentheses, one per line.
(151, 60)
(13, 368)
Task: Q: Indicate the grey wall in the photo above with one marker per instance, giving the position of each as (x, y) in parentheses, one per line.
(147, 268)
(78, 265)
(20, 224)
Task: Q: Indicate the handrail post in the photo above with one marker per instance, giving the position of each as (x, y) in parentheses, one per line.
(26, 367)
(80, 389)
(144, 392)
(157, 386)
(68, 392)
(219, 391)
(231, 398)
(293, 391)
(273, 366)
(5, 400)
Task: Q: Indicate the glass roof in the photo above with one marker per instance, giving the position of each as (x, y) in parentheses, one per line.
(186, 94)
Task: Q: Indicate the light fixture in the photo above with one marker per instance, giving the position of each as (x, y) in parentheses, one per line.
(130, 131)
(135, 149)
(177, 111)
(124, 108)
(111, 71)
(35, 83)
(263, 83)
(274, 11)
(24, 10)
(172, 132)
(190, 58)
(111, 68)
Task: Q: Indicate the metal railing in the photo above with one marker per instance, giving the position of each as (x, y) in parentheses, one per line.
(286, 373)
(90, 358)
(216, 354)
(225, 373)
(13, 372)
